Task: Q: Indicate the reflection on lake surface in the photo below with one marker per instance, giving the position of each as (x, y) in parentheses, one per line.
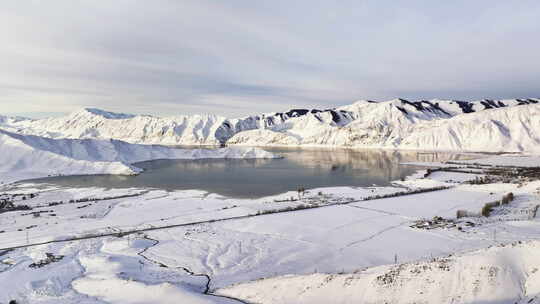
(310, 168)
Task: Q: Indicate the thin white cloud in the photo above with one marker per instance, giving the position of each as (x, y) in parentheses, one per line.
(251, 56)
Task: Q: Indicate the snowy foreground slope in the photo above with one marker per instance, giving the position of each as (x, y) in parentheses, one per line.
(28, 156)
(500, 274)
(94, 245)
(506, 125)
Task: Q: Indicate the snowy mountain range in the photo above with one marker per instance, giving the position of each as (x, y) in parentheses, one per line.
(485, 125)
(145, 129)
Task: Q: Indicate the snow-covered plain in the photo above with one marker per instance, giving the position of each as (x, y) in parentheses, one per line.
(138, 245)
(521, 160)
(444, 125)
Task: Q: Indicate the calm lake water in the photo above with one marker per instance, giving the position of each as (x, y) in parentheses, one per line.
(251, 178)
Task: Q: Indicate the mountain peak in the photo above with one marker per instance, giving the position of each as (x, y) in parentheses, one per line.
(12, 119)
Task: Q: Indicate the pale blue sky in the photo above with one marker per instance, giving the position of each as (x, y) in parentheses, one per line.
(236, 57)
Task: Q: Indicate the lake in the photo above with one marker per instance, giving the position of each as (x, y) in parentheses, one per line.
(252, 178)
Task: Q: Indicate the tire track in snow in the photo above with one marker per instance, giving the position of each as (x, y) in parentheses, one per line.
(187, 270)
(372, 236)
(380, 211)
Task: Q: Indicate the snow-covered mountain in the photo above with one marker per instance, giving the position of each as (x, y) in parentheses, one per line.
(30, 156)
(485, 125)
(9, 120)
(98, 124)
(175, 130)
(427, 125)
(513, 129)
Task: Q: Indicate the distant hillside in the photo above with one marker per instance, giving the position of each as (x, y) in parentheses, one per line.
(29, 156)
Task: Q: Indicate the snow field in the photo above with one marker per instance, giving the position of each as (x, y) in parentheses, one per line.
(298, 252)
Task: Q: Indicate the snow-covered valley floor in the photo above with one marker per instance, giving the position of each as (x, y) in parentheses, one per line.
(400, 244)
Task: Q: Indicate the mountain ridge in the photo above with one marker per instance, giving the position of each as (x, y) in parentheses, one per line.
(364, 123)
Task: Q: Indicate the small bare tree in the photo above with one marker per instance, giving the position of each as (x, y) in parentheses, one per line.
(301, 191)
